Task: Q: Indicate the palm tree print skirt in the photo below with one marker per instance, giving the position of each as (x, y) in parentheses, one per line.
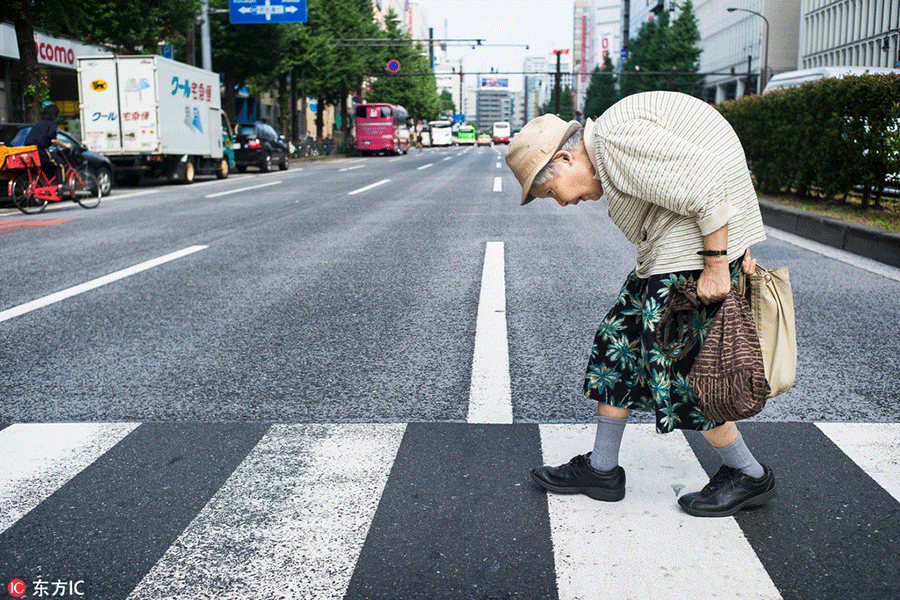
(627, 368)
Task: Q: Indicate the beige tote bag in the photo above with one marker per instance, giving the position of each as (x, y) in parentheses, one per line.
(769, 293)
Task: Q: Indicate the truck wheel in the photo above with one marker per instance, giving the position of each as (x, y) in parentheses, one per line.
(222, 171)
(189, 172)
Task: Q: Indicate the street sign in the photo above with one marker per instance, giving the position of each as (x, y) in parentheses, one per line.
(393, 65)
(267, 11)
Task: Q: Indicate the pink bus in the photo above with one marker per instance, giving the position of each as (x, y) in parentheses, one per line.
(382, 128)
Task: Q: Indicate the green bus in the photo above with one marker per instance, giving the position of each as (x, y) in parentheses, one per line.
(466, 135)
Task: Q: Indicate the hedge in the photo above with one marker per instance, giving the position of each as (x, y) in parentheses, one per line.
(831, 135)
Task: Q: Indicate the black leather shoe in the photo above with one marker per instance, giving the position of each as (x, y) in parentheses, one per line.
(728, 492)
(579, 477)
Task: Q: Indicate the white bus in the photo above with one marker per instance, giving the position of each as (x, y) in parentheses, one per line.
(500, 132)
(441, 133)
(797, 78)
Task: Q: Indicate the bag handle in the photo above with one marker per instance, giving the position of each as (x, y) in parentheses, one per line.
(676, 326)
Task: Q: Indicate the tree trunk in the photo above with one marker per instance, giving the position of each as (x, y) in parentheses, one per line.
(295, 125)
(345, 120)
(34, 83)
(283, 105)
(229, 97)
(320, 118)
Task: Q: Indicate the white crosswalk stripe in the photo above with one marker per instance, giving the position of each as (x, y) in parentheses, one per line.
(39, 458)
(589, 539)
(875, 447)
(284, 513)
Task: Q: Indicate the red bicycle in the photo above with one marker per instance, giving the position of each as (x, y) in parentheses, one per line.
(31, 190)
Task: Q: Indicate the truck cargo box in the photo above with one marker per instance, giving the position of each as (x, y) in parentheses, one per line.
(149, 105)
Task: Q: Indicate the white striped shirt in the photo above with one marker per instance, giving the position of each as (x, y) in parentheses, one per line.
(673, 170)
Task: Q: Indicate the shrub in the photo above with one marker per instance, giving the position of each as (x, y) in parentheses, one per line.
(830, 135)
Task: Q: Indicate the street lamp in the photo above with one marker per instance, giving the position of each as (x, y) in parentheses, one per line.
(765, 73)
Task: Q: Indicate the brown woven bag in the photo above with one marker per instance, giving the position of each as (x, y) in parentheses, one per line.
(728, 374)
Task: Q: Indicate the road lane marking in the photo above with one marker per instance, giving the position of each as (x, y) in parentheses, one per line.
(490, 395)
(498, 184)
(448, 158)
(243, 189)
(368, 187)
(424, 166)
(95, 283)
(498, 164)
(119, 195)
(351, 168)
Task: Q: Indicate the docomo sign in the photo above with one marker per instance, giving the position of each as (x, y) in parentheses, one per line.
(50, 51)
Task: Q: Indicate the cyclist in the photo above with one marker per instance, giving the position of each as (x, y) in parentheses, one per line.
(43, 135)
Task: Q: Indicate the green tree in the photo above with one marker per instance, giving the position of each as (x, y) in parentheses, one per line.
(566, 112)
(685, 51)
(128, 26)
(341, 71)
(416, 92)
(664, 55)
(447, 102)
(245, 54)
(601, 93)
(134, 26)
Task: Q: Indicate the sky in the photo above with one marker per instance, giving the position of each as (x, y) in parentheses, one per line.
(542, 25)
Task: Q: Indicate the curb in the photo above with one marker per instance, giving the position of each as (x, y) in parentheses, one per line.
(870, 242)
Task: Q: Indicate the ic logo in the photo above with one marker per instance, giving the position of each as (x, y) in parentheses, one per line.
(16, 588)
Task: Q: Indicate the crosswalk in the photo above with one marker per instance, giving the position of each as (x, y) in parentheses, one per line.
(435, 510)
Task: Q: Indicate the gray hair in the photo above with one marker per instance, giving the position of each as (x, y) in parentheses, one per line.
(549, 171)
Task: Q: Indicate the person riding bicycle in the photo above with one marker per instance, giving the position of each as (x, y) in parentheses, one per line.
(43, 135)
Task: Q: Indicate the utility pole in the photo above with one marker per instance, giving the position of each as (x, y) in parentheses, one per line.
(205, 45)
(559, 53)
(431, 48)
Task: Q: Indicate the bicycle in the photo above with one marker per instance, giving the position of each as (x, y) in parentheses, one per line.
(32, 190)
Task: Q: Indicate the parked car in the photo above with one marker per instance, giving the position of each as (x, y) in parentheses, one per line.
(13, 134)
(259, 145)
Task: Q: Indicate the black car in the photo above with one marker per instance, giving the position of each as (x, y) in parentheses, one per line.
(259, 145)
(13, 134)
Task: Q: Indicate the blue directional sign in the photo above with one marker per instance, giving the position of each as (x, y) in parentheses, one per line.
(267, 11)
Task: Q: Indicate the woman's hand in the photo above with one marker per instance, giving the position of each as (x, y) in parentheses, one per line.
(714, 282)
(748, 265)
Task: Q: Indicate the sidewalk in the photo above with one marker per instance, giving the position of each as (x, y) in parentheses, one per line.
(870, 242)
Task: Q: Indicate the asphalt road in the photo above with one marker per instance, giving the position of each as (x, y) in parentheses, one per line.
(310, 303)
(260, 387)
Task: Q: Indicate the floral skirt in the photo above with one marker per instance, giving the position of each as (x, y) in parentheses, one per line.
(628, 369)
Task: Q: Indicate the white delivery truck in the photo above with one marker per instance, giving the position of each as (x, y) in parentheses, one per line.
(153, 116)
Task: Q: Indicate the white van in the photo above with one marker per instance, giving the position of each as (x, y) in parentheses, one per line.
(797, 78)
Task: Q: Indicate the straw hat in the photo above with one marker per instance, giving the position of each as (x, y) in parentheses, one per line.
(534, 146)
